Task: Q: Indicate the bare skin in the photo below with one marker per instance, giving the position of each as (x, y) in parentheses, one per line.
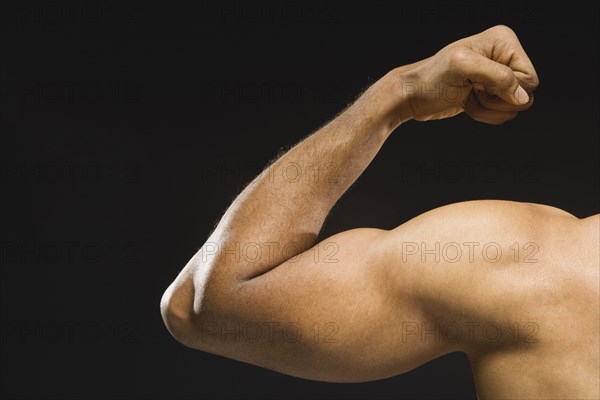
(515, 286)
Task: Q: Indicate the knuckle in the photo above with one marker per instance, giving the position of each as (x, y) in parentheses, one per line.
(529, 81)
(503, 30)
(458, 57)
(535, 82)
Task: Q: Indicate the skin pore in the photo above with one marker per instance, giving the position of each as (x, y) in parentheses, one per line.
(513, 285)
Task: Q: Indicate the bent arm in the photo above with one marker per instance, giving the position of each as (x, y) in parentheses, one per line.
(280, 213)
(258, 272)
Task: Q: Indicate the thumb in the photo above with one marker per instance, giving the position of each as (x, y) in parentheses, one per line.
(520, 95)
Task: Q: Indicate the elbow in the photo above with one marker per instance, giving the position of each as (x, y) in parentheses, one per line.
(177, 311)
(186, 306)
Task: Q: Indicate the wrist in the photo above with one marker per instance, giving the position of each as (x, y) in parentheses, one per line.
(399, 91)
(386, 102)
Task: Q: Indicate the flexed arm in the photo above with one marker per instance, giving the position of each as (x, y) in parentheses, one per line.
(279, 215)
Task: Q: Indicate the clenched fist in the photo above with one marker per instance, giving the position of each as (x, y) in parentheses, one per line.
(488, 76)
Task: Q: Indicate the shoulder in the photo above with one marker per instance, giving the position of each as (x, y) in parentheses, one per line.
(497, 262)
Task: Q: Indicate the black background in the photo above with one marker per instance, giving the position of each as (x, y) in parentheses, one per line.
(128, 127)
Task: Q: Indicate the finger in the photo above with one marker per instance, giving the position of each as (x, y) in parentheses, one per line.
(496, 103)
(496, 78)
(525, 73)
(509, 51)
(523, 68)
(478, 112)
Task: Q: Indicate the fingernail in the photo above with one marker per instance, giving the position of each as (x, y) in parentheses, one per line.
(521, 95)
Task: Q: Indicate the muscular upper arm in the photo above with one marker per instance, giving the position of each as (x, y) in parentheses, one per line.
(363, 305)
(332, 313)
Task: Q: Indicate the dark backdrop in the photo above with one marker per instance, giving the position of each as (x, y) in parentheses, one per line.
(128, 127)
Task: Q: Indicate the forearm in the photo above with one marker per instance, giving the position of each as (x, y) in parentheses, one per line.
(283, 209)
